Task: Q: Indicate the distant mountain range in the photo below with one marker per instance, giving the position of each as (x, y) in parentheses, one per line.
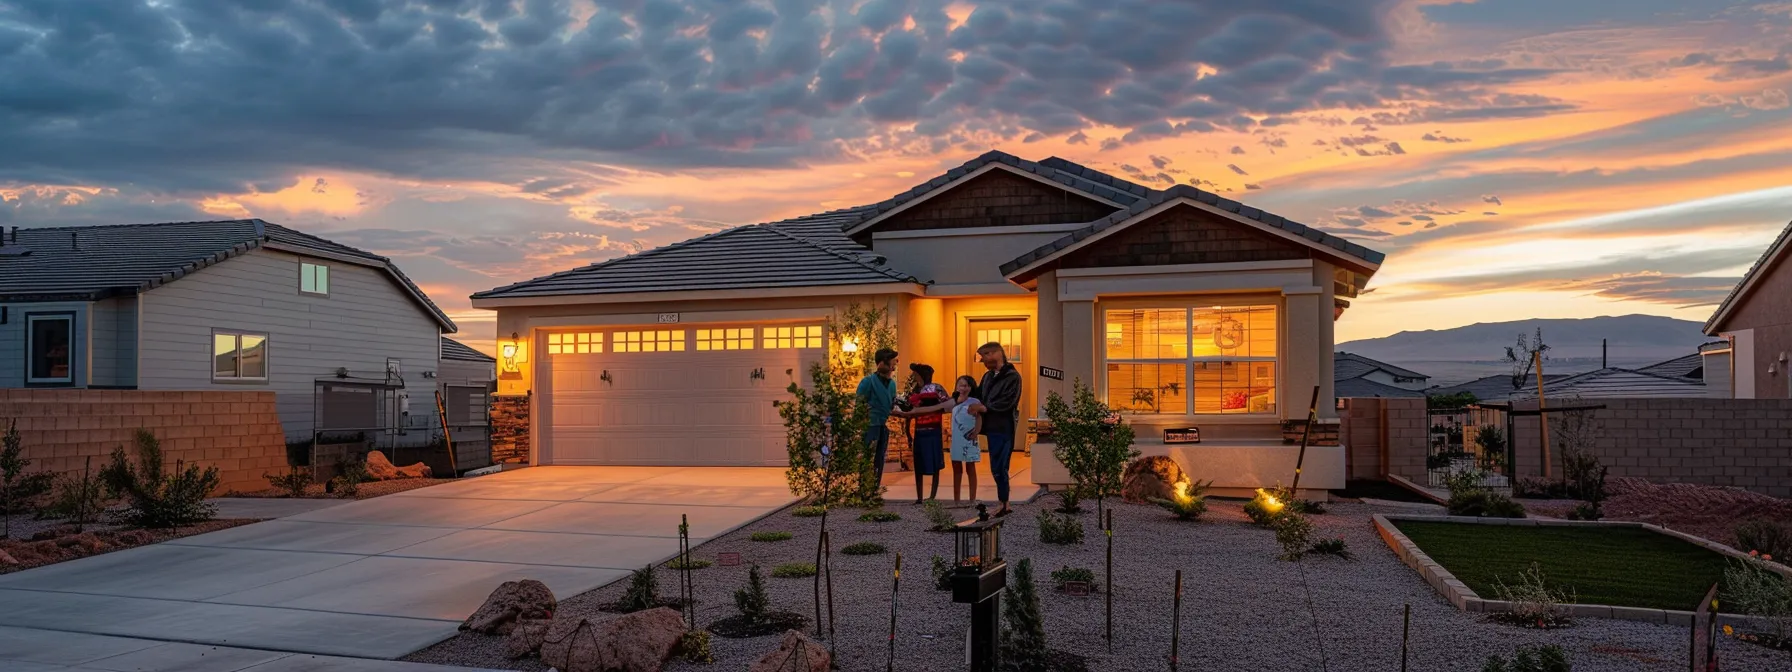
(1456, 355)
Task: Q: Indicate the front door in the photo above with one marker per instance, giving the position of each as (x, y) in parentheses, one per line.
(1013, 334)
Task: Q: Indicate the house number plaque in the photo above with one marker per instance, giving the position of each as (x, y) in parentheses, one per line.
(668, 318)
(1049, 372)
(1183, 435)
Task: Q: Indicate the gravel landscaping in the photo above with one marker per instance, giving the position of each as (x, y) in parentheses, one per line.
(36, 543)
(368, 490)
(1706, 511)
(1242, 609)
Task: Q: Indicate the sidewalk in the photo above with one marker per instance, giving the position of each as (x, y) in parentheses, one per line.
(29, 650)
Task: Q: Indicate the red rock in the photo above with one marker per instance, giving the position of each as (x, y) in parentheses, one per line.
(7, 559)
(133, 538)
(796, 653)
(86, 541)
(381, 469)
(525, 639)
(1150, 477)
(511, 602)
(637, 642)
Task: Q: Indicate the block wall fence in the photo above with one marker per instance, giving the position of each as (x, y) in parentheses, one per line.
(1745, 443)
(237, 432)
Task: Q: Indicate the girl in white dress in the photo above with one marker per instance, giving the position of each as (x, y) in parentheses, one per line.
(967, 423)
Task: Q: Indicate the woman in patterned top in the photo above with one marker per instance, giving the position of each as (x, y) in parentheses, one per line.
(929, 447)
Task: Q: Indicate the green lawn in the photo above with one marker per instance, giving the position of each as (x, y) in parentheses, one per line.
(1618, 566)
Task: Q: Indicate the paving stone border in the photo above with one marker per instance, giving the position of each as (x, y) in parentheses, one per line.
(1465, 598)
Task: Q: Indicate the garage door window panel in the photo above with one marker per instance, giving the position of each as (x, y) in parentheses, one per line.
(582, 343)
(648, 341)
(725, 339)
(780, 338)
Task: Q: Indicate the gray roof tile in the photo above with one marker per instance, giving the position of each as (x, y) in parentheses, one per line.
(453, 349)
(94, 262)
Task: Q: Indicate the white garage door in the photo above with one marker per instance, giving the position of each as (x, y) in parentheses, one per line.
(686, 396)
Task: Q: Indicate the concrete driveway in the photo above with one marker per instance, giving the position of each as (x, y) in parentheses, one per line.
(381, 578)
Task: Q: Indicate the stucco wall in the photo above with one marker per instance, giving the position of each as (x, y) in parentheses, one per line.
(1768, 313)
(238, 431)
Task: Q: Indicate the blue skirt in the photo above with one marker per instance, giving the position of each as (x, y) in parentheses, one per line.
(929, 451)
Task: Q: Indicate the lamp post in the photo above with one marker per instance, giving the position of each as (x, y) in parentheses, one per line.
(978, 576)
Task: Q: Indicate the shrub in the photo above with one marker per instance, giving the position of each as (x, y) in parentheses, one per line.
(794, 570)
(770, 536)
(1068, 574)
(344, 486)
(1753, 588)
(643, 591)
(1545, 658)
(751, 601)
(1533, 602)
(828, 414)
(78, 498)
(1091, 441)
(1069, 501)
(18, 490)
(695, 563)
(1023, 624)
(1586, 511)
(863, 548)
(938, 519)
(693, 647)
(1537, 488)
(294, 481)
(1189, 502)
(1767, 536)
(1295, 533)
(1492, 440)
(1335, 547)
(354, 470)
(942, 574)
(153, 497)
(879, 516)
(1483, 504)
(1059, 529)
(808, 511)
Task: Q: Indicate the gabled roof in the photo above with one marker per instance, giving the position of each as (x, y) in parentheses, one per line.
(803, 252)
(1766, 264)
(89, 263)
(1363, 387)
(1347, 365)
(1690, 366)
(1061, 173)
(1614, 382)
(1494, 388)
(456, 350)
(1368, 260)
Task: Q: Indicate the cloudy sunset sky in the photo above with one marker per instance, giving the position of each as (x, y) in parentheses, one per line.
(1514, 158)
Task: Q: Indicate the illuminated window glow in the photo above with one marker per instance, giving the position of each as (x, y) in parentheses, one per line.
(582, 343)
(647, 341)
(793, 337)
(725, 339)
(1200, 361)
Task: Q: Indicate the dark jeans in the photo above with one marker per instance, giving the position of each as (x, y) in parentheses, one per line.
(877, 439)
(1001, 448)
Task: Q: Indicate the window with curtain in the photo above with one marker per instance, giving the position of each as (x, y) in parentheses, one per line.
(238, 356)
(1199, 361)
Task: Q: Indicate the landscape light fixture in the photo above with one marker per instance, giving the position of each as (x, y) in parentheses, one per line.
(978, 576)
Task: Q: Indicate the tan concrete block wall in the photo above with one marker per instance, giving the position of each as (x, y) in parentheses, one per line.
(1385, 436)
(1360, 429)
(1746, 443)
(237, 432)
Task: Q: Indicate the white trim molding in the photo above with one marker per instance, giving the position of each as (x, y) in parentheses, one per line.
(695, 295)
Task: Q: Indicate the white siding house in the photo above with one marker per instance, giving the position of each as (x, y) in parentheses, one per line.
(216, 305)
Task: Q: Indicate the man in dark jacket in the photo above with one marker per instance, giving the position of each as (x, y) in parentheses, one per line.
(1000, 393)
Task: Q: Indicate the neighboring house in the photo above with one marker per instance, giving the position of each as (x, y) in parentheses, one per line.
(462, 365)
(1755, 322)
(1616, 383)
(1496, 387)
(1689, 367)
(1358, 376)
(220, 305)
(1177, 305)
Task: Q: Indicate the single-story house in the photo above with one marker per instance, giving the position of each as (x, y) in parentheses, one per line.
(236, 304)
(1755, 324)
(1354, 375)
(1616, 383)
(1178, 306)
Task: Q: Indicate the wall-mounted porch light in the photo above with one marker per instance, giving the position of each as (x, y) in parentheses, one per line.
(513, 353)
(849, 345)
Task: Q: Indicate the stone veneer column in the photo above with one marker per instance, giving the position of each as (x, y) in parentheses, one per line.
(510, 428)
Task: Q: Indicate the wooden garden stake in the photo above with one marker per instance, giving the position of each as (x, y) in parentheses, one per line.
(895, 594)
(1542, 418)
(1300, 458)
(1176, 621)
(1108, 526)
(829, 556)
(1405, 636)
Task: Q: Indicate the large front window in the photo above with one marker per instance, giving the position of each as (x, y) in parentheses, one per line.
(1182, 361)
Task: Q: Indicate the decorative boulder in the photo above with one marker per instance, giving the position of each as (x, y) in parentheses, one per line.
(1150, 477)
(637, 642)
(526, 638)
(381, 469)
(511, 602)
(7, 559)
(796, 653)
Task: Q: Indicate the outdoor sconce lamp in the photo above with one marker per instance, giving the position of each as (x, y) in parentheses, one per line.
(849, 345)
(978, 576)
(513, 353)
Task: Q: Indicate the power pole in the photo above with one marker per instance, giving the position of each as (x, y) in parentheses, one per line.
(1542, 419)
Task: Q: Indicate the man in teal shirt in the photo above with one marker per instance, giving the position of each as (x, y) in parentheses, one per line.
(879, 392)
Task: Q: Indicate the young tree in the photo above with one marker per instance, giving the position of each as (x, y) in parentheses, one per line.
(1023, 623)
(1524, 355)
(15, 485)
(156, 497)
(1092, 442)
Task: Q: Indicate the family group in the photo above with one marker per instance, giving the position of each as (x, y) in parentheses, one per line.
(988, 408)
